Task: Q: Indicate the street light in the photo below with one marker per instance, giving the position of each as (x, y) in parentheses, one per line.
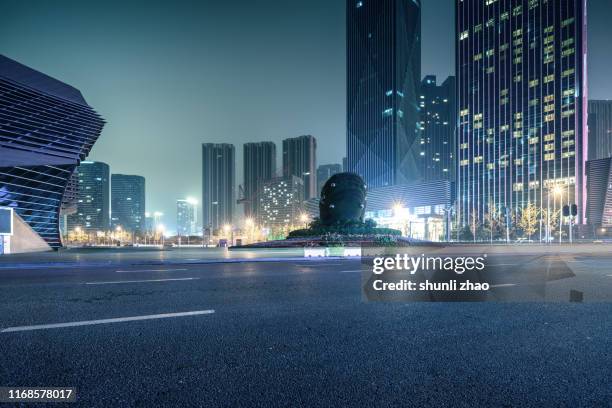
(227, 228)
(161, 229)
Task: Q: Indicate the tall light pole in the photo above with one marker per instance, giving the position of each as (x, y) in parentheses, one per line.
(118, 230)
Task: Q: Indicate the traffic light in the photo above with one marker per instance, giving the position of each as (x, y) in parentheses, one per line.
(574, 210)
(566, 211)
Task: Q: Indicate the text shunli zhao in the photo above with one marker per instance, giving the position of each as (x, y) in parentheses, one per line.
(414, 264)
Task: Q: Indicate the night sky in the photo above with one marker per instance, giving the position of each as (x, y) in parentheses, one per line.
(170, 75)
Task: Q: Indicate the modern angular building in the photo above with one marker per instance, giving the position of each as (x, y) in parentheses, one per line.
(280, 202)
(46, 129)
(186, 217)
(600, 129)
(438, 119)
(522, 101)
(128, 202)
(383, 45)
(93, 200)
(218, 184)
(324, 172)
(599, 195)
(259, 167)
(300, 160)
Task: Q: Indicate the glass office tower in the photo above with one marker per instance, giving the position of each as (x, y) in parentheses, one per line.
(383, 76)
(521, 92)
(46, 129)
(600, 129)
(93, 205)
(438, 117)
(218, 184)
(300, 160)
(128, 202)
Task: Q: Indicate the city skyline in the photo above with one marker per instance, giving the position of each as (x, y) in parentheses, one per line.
(55, 52)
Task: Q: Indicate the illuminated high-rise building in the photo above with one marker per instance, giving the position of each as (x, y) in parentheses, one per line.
(218, 184)
(383, 45)
(522, 102)
(186, 217)
(438, 119)
(128, 202)
(300, 160)
(93, 198)
(281, 202)
(259, 160)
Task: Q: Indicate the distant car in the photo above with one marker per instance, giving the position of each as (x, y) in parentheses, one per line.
(222, 243)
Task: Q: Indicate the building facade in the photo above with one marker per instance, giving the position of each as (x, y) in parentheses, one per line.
(300, 160)
(128, 202)
(186, 217)
(600, 129)
(599, 194)
(281, 202)
(438, 119)
(259, 160)
(324, 172)
(521, 94)
(420, 210)
(46, 129)
(383, 42)
(93, 202)
(218, 185)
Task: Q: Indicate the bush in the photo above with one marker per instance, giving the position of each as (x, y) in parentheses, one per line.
(343, 229)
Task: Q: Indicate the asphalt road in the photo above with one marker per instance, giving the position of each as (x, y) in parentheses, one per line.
(296, 333)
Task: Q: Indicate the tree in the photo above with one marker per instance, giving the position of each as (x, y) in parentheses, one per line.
(528, 220)
(554, 221)
(465, 233)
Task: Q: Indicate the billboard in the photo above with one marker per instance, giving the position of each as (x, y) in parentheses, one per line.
(6, 221)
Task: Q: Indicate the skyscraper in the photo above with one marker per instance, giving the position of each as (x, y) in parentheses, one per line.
(128, 202)
(383, 43)
(46, 128)
(300, 160)
(259, 166)
(324, 172)
(521, 91)
(218, 184)
(600, 129)
(93, 209)
(438, 119)
(186, 217)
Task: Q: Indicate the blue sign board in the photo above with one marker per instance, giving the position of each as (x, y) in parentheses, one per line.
(6, 221)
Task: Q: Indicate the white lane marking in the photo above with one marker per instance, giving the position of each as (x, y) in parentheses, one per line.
(354, 271)
(609, 275)
(502, 285)
(139, 281)
(104, 321)
(151, 270)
